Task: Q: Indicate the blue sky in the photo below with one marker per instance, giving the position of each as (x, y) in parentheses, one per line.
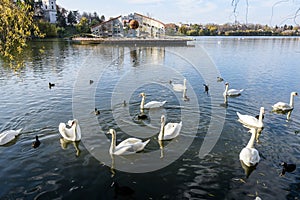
(194, 11)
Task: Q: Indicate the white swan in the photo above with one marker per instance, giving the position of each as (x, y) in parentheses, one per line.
(249, 155)
(73, 133)
(9, 135)
(151, 104)
(179, 87)
(231, 92)
(126, 147)
(251, 121)
(169, 131)
(284, 107)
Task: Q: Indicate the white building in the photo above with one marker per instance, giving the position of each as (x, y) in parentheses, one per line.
(49, 8)
(119, 27)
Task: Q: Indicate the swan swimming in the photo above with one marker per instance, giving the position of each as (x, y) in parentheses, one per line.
(168, 131)
(179, 87)
(251, 121)
(151, 104)
(126, 147)
(284, 107)
(231, 92)
(9, 135)
(73, 133)
(249, 155)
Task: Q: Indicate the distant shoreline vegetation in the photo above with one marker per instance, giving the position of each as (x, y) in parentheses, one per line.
(69, 31)
(232, 30)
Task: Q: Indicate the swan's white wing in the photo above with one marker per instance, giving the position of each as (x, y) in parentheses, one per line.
(129, 141)
(142, 146)
(78, 133)
(8, 136)
(65, 132)
(233, 92)
(178, 87)
(249, 120)
(124, 150)
(154, 104)
(131, 145)
(172, 130)
(249, 156)
(255, 157)
(282, 106)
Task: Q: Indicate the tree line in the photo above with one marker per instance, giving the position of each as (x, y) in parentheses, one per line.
(69, 23)
(230, 29)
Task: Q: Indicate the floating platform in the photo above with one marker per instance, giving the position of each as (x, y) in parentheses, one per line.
(170, 41)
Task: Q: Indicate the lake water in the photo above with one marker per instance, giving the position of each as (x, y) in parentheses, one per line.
(201, 163)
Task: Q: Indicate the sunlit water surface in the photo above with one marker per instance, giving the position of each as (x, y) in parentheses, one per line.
(267, 68)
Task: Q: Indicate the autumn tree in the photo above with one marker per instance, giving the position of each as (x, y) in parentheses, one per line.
(183, 29)
(83, 25)
(16, 27)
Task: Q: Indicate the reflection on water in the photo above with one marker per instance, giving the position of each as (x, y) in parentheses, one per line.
(65, 143)
(287, 113)
(265, 67)
(248, 169)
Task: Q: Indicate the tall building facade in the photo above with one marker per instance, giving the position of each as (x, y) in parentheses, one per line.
(50, 12)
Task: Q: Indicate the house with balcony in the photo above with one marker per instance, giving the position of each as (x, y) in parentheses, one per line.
(110, 28)
(123, 26)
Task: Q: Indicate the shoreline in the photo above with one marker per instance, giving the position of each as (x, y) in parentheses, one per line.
(176, 41)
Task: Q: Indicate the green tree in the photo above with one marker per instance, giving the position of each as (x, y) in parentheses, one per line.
(192, 32)
(61, 17)
(47, 28)
(183, 29)
(72, 17)
(213, 30)
(16, 27)
(83, 25)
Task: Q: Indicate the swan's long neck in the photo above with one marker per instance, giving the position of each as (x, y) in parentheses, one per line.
(184, 93)
(292, 100)
(113, 143)
(260, 118)
(225, 99)
(142, 102)
(162, 130)
(184, 83)
(226, 89)
(252, 139)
